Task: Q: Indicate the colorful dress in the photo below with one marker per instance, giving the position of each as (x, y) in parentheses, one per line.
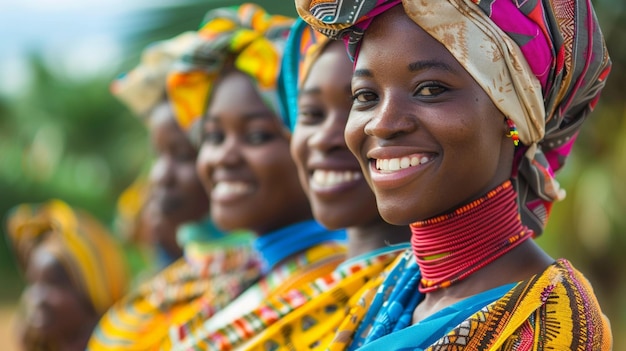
(215, 269)
(530, 315)
(292, 257)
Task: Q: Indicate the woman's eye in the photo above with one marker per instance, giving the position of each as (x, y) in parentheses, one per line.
(185, 154)
(213, 137)
(364, 96)
(430, 89)
(309, 116)
(259, 137)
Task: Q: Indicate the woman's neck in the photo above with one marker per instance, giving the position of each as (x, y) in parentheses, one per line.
(374, 235)
(478, 247)
(451, 247)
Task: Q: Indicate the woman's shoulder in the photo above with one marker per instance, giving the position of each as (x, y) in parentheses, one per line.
(560, 305)
(556, 308)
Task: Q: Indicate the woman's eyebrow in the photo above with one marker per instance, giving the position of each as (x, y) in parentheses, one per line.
(362, 73)
(430, 64)
(309, 91)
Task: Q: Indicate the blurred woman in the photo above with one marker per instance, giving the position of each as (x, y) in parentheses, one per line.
(174, 194)
(244, 161)
(462, 112)
(215, 266)
(74, 271)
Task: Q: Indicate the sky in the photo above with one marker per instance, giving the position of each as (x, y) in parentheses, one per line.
(79, 37)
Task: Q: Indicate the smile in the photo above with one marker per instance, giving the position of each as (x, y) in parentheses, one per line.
(389, 165)
(230, 189)
(327, 179)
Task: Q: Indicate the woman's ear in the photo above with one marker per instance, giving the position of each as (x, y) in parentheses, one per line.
(511, 131)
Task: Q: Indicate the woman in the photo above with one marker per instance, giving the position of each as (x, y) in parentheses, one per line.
(175, 194)
(74, 271)
(455, 122)
(315, 81)
(216, 267)
(244, 161)
(329, 173)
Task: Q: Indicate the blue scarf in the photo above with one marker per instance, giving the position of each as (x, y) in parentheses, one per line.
(391, 312)
(280, 244)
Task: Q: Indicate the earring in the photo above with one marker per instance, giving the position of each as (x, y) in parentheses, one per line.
(513, 133)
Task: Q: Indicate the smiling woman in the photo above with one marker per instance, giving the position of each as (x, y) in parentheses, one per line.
(459, 133)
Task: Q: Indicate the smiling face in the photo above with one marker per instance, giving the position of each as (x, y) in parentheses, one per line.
(426, 135)
(176, 194)
(54, 306)
(244, 162)
(329, 173)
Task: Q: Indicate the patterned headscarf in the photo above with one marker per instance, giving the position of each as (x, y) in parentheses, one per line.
(83, 246)
(549, 58)
(304, 46)
(247, 34)
(142, 88)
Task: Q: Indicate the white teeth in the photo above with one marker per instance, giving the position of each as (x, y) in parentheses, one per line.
(395, 164)
(323, 178)
(231, 188)
(405, 162)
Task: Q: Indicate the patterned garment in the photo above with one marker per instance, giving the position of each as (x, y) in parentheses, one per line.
(212, 273)
(550, 58)
(198, 332)
(247, 34)
(533, 315)
(307, 318)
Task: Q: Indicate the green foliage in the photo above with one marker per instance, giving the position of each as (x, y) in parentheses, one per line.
(66, 139)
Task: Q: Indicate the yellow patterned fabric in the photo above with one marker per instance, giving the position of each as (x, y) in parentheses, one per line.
(556, 310)
(209, 279)
(308, 317)
(200, 333)
(246, 34)
(88, 252)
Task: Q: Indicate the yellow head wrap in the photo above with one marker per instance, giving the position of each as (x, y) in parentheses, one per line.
(247, 33)
(87, 251)
(143, 87)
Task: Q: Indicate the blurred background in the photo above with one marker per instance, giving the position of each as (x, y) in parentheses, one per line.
(63, 135)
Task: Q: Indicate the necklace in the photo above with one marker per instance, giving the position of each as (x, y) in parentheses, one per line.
(450, 247)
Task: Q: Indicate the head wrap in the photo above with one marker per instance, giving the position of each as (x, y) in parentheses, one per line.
(83, 246)
(304, 46)
(549, 57)
(130, 205)
(247, 34)
(142, 88)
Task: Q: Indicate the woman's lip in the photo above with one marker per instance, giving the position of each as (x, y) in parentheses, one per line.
(396, 175)
(331, 181)
(228, 191)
